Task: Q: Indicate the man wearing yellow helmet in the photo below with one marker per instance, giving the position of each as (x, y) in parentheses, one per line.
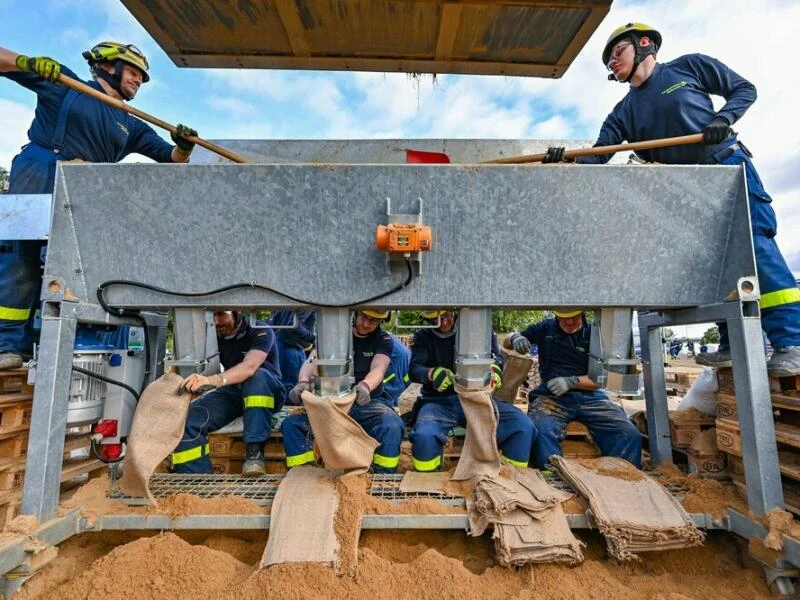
(566, 392)
(372, 351)
(68, 125)
(438, 408)
(674, 99)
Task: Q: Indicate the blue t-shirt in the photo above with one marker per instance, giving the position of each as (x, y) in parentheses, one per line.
(675, 100)
(95, 132)
(560, 354)
(232, 351)
(365, 349)
(299, 337)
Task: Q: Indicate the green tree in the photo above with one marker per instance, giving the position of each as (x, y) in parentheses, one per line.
(711, 336)
(3, 180)
(506, 321)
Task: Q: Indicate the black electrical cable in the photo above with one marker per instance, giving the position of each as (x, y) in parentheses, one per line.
(99, 457)
(254, 285)
(107, 380)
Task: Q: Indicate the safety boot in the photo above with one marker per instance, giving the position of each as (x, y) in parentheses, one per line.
(719, 359)
(254, 464)
(785, 362)
(10, 360)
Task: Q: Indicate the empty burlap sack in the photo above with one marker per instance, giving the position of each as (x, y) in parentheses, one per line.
(157, 428)
(343, 444)
(515, 372)
(529, 523)
(301, 520)
(479, 457)
(633, 511)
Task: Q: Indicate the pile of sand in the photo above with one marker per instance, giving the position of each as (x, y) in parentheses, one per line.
(392, 565)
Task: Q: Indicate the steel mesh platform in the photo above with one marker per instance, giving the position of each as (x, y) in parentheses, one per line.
(262, 490)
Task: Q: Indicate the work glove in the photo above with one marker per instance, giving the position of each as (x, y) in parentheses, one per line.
(184, 145)
(44, 67)
(442, 379)
(296, 392)
(559, 386)
(555, 154)
(496, 377)
(717, 131)
(362, 393)
(520, 343)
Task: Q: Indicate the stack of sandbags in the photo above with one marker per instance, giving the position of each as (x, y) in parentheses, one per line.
(529, 523)
(634, 512)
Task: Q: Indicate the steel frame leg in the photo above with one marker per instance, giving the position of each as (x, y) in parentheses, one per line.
(49, 417)
(754, 405)
(655, 394)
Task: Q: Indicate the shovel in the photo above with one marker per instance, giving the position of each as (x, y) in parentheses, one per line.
(81, 87)
(421, 156)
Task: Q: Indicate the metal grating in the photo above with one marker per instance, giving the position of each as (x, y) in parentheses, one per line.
(262, 490)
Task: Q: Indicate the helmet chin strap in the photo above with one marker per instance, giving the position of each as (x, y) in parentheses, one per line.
(642, 52)
(113, 79)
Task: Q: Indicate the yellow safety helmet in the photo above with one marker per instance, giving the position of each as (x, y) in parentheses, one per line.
(376, 314)
(432, 314)
(640, 29)
(114, 51)
(566, 314)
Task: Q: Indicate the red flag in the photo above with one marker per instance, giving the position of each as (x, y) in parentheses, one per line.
(423, 157)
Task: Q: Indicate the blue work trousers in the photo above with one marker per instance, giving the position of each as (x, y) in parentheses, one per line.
(780, 298)
(291, 359)
(255, 398)
(611, 429)
(32, 172)
(437, 416)
(378, 419)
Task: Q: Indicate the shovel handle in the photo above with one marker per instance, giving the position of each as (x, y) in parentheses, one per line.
(694, 138)
(81, 87)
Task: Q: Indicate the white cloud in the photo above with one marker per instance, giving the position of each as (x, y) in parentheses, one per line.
(15, 119)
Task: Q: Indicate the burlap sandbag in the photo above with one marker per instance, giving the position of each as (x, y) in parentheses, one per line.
(343, 444)
(515, 372)
(301, 520)
(480, 456)
(157, 428)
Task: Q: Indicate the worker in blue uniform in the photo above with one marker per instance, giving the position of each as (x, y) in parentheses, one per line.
(438, 409)
(292, 343)
(396, 380)
(674, 99)
(249, 387)
(372, 350)
(68, 125)
(567, 394)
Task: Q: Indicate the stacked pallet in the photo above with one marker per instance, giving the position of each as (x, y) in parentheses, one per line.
(16, 400)
(680, 379)
(785, 397)
(578, 442)
(227, 452)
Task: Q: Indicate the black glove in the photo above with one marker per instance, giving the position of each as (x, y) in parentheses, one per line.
(184, 145)
(717, 131)
(555, 154)
(362, 393)
(296, 392)
(442, 379)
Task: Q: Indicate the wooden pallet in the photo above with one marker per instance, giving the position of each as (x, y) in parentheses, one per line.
(12, 469)
(787, 386)
(14, 380)
(15, 412)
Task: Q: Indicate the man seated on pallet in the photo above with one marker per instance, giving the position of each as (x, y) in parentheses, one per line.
(397, 380)
(567, 394)
(438, 409)
(372, 350)
(250, 387)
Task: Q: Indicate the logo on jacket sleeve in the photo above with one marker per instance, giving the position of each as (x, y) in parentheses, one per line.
(675, 86)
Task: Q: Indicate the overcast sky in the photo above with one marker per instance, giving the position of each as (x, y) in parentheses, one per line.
(756, 38)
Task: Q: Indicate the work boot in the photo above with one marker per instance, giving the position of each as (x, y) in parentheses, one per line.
(254, 464)
(10, 360)
(719, 359)
(785, 362)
